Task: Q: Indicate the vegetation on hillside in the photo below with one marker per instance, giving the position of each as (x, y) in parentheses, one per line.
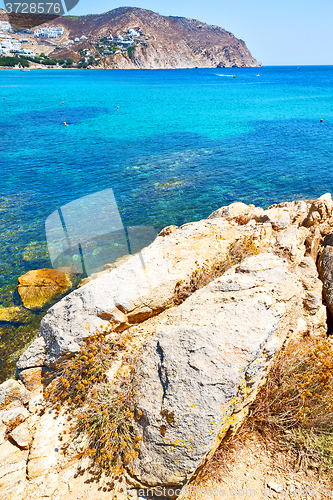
(12, 61)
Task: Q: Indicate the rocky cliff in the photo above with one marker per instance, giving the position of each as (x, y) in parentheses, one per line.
(145, 370)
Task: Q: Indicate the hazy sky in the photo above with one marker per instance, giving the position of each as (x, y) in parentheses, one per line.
(277, 32)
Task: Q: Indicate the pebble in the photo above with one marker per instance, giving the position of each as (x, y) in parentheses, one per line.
(278, 488)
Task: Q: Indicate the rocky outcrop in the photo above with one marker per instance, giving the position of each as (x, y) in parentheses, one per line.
(207, 306)
(11, 391)
(325, 266)
(141, 287)
(38, 288)
(214, 348)
(12, 470)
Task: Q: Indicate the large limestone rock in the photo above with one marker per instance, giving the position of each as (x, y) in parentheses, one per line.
(35, 378)
(237, 211)
(204, 363)
(46, 446)
(23, 433)
(320, 210)
(3, 432)
(38, 288)
(15, 416)
(278, 217)
(141, 287)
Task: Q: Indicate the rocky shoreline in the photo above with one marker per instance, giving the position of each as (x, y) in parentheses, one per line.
(191, 325)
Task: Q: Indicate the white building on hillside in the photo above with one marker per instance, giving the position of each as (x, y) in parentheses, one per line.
(132, 32)
(49, 32)
(29, 52)
(5, 26)
(10, 46)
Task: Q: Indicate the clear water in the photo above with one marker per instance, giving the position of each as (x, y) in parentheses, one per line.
(181, 144)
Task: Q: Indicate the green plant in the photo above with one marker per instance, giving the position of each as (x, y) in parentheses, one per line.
(130, 50)
(11, 61)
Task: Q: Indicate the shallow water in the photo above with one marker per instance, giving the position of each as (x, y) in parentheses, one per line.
(181, 144)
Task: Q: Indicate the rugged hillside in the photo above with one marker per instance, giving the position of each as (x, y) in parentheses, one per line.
(164, 42)
(172, 42)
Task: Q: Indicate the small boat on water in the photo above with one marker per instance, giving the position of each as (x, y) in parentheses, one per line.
(25, 69)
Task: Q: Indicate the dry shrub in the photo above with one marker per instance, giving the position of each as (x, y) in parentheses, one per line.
(296, 401)
(208, 272)
(108, 420)
(103, 410)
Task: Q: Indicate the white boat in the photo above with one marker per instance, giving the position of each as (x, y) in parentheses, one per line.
(25, 69)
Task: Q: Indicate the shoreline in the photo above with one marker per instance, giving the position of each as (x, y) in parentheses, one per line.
(238, 287)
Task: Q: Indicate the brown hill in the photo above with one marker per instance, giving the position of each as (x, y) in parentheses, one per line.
(172, 42)
(164, 42)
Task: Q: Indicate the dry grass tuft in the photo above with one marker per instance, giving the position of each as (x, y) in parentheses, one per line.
(292, 416)
(208, 272)
(297, 401)
(103, 410)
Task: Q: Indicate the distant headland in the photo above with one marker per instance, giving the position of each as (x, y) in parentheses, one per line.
(123, 38)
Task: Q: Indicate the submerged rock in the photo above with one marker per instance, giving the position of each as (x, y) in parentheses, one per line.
(37, 288)
(14, 314)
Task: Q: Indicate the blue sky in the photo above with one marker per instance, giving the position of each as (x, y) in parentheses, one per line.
(277, 32)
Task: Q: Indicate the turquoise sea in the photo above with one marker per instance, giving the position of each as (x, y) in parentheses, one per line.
(173, 145)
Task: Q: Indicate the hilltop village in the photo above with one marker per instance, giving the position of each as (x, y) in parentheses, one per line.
(38, 44)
